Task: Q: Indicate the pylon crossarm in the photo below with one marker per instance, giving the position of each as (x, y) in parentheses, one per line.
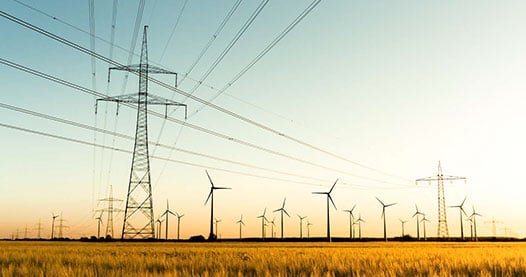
(136, 68)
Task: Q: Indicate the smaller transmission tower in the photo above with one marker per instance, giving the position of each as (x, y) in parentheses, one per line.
(442, 218)
(110, 210)
(61, 227)
(39, 229)
(138, 215)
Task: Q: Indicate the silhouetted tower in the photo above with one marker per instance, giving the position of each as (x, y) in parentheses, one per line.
(110, 210)
(61, 226)
(138, 215)
(39, 229)
(442, 218)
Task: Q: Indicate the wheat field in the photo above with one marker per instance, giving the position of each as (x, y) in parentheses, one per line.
(21, 258)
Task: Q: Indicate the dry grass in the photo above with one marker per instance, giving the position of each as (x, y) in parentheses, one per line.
(262, 259)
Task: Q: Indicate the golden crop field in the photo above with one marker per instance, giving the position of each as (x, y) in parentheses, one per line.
(19, 258)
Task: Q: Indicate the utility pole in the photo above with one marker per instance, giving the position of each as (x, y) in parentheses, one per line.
(110, 210)
(138, 214)
(442, 218)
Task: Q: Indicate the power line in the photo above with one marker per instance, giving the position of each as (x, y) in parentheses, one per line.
(177, 90)
(78, 141)
(233, 42)
(212, 39)
(173, 30)
(120, 135)
(186, 124)
(269, 47)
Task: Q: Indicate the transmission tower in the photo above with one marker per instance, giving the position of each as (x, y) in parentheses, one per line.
(442, 218)
(39, 229)
(61, 227)
(110, 210)
(138, 215)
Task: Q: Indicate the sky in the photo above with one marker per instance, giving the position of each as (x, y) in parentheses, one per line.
(393, 87)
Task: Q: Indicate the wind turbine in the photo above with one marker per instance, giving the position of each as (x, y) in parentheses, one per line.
(159, 228)
(417, 214)
(178, 223)
(217, 223)
(211, 197)
(301, 225)
(383, 215)
(403, 223)
(470, 219)
(461, 211)
(424, 220)
(474, 215)
(308, 228)
(241, 223)
(99, 221)
(273, 223)
(263, 219)
(166, 214)
(351, 221)
(282, 210)
(53, 225)
(329, 198)
(360, 220)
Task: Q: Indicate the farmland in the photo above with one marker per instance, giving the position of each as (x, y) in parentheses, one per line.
(25, 258)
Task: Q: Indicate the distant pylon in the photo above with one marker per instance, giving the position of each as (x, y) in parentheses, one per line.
(138, 215)
(442, 218)
(110, 210)
(39, 229)
(61, 226)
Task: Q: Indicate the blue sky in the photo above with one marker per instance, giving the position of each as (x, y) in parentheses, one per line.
(393, 85)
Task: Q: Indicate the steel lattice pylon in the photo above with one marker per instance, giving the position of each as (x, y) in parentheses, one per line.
(138, 215)
(442, 217)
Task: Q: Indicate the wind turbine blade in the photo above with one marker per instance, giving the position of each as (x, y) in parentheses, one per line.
(264, 211)
(221, 188)
(417, 209)
(380, 201)
(389, 205)
(330, 198)
(383, 212)
(283, 206)
(319, 193)
(209, 178)
(277, 210)
(463, 201)
(352, 208)
(171, 212)
(286, 212)
(210, 194)
(333, 186)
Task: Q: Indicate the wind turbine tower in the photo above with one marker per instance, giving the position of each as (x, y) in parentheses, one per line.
(442, 218)
(211, 236)
(282, 210)
(417, 214)
(474, 218)
(99, 221)
(53, 225)
(383, 215)
(360, 220)
(178, 223)
(301, 225)
(351, 222)
(263, 219)
(217, 224)
(424, 220)
(461, 211)
(329, 198)
(166, 214)
(138, 215)
(241, 223)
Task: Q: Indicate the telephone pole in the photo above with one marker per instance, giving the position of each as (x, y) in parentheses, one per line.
(138, 214)
(442, 218)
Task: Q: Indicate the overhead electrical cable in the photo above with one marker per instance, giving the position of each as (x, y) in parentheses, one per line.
(214, 106)
(186, 124)
(78, 141)
(173, 30)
